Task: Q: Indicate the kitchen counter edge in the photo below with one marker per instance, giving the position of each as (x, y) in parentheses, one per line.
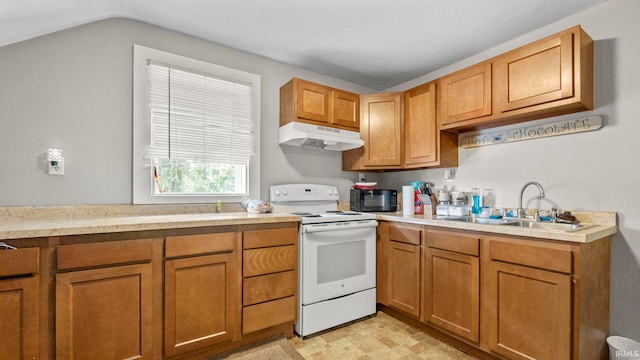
(589, 234)
(20, 229)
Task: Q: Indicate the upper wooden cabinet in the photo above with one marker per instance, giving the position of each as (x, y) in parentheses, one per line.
(549, 77)
(554, 72)
(381, 131)
(465, 94)
(424, 144)
(308, 102)
(400, 132)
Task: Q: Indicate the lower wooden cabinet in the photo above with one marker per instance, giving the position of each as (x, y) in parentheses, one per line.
(103, 301)
(269, 278)
(199, 298)
(452, 278)
(200, 291)
(404, 271)
(529, 299)
(19, 304)
(507, 296)
(104, 313)
(531, 312)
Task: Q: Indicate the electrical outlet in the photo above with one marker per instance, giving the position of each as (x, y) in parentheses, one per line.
(56, 167)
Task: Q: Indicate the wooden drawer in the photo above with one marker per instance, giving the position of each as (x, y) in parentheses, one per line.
(406, 234)
(103, 253)
(268, 260)
(453, 241)
(268, 287)
(538, 256)
(269, 237)
(262, 316)
(19, 262)
(186, 245)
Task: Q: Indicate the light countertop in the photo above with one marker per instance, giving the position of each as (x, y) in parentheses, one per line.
(16, 229)
(597, 225)
(32, 222)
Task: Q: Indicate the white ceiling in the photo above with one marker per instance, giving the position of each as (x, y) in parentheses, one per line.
(375, 43)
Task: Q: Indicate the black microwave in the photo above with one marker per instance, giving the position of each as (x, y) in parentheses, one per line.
(373, 200)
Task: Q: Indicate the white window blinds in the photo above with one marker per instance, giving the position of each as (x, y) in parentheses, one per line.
(199, 117)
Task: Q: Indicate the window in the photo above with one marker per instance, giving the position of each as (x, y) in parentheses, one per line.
(196, 129)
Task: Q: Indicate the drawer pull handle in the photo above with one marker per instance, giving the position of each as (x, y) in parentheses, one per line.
(5, 246)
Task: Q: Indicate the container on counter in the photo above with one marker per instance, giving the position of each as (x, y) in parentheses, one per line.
(475, 208)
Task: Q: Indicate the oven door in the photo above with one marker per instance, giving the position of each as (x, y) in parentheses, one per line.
(337, 259)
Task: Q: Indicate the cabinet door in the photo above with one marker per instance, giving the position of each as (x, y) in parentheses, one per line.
(404, 277)
(465, 95)
(530, 312)
(312, 101)
(104, 313)
(346, 109)
(199, 302)
(19, 311)
(420, 130)
(535, 74)
(453, 292)
(381, 130)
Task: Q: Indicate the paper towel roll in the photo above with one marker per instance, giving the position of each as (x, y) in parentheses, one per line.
(408, 197)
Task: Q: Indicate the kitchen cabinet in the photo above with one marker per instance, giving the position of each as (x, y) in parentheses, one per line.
(529, 296)
(308, 102)
(465, 94)
(538, 292)
(424, 144)
(381, 131)
(404, 269)
(104, 300)
(547, 74)
(19, 304)
(269, 278)
(549, 77)
(399, 131)
(200, 292)
(497, 294)
(452, 280)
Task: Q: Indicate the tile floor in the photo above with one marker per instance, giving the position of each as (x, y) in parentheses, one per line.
(379, 337)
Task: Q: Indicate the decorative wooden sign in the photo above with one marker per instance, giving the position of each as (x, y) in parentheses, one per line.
(528, 132)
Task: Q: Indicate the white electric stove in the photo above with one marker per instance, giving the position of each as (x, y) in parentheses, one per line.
(337, 257)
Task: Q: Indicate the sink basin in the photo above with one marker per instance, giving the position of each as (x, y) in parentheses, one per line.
(548, 226)
(477, 220)
(517, 222)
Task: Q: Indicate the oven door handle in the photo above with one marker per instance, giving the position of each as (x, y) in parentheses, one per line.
(308, 228)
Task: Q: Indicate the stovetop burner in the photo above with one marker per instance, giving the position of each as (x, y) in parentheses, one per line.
(314, 204)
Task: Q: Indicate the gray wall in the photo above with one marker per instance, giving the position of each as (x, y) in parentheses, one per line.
(597, 170)
(72, 90)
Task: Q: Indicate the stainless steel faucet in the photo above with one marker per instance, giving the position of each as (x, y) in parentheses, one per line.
(520, 209)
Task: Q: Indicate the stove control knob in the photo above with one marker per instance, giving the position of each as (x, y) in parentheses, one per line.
(277, 192)
(285, 192)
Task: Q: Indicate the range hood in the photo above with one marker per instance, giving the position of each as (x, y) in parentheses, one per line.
(319, 137)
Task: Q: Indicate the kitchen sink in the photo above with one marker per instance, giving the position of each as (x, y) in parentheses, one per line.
(524, 223)
(547, 225)
(476, 220)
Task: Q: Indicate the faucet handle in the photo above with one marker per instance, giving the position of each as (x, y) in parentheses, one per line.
(536, 215)
(554, 215)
